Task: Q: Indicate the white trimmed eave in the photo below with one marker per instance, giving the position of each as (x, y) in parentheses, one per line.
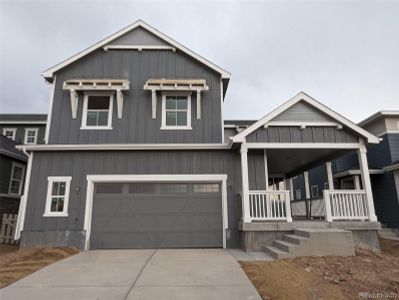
(240, 137)
(98, 85)
(108, 147)
(357, 172)
(49, 73)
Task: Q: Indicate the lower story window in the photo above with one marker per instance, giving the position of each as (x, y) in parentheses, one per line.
(16, 179)
(315, 191)
(57, 196)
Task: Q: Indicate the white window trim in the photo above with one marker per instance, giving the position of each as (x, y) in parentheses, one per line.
(186, 127)
(14, 130)
(36, 130)
(84, 114)
(92, 179)
(50, 180)
(15, 164)
(317, 189)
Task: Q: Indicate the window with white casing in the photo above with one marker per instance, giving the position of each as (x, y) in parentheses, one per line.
(10, 133)
(31, 135)
(57, 197)
(315, 191)
(16, 179)
(176, 111)
(97, 111)
(298, 194)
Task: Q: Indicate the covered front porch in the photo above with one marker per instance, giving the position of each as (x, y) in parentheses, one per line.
(281, 164)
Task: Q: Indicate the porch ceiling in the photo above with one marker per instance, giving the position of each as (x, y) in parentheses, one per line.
(295, 161)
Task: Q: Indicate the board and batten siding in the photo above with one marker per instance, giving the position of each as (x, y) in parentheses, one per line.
(137, 125)
(288, 134)
(80, 164)
(20, 133)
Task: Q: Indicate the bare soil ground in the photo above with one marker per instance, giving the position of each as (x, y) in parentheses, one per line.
(16, 264)
(376, 273)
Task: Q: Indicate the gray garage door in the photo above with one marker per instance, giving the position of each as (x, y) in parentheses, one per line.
(156, 215)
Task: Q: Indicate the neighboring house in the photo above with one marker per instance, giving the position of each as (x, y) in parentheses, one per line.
(13, 166)
(24, 128)
(16, 129)
(383, 160)
(137, 155)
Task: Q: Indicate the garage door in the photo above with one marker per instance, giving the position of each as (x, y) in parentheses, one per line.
(156, 215)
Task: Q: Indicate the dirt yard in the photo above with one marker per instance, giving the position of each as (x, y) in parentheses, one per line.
(376, 273)
(16, 264)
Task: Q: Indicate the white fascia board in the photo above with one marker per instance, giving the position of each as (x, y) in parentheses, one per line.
(24, 122)
(50, 72)
(304, 97)
(84, 147)
(303, 145)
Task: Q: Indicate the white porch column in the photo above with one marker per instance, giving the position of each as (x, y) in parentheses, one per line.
(364, 170)
(307, 189)
(245, 183)
(291, 189)
(329, 176)
(356, 181)
(266, 170)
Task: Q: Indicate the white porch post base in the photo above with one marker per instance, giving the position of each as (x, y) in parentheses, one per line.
(326, 195)
(364, 170)
(288, 206)
(245, 183)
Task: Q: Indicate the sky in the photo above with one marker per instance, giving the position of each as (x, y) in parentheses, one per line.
(343, 53)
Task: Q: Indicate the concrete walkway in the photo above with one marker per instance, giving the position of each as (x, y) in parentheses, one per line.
(138, 274)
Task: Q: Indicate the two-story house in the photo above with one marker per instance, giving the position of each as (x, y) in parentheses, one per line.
(137, 155)
(16, 129)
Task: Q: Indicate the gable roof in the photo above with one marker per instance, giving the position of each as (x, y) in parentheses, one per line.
(378, 115)
(314, 103)
(7, 148)
(49, 73)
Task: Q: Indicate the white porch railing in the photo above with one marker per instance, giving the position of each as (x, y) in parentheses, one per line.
(269, 206)
(316, 208)
(346, 205)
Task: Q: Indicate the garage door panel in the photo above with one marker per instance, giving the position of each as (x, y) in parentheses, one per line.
(157, 215)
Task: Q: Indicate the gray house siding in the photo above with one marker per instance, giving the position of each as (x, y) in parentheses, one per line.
(20, 133)
(39, 229)
(5, 166)
(136, 125)
(386, 199)
(393, 140)
(297, 135)
(302, 112)
(139, 36)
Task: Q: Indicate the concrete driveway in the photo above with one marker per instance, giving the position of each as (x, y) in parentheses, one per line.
(138, 274)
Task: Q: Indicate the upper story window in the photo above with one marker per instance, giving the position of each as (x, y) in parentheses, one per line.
(97, 111)
(16, 179)
(31, 135)
(176, 111)
(57, 197)
(10, 133)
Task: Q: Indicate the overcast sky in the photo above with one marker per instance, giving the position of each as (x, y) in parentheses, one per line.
(345, 54)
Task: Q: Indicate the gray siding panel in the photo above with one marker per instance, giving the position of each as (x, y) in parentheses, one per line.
(80, 164)
(139, 36)
(302, 112)
(296, 135)
(136, 125)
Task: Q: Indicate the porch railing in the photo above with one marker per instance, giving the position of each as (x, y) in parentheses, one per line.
(314, 209)
(269, 206)
(346, 205)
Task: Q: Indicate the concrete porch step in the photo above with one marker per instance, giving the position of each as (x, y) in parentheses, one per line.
(295, 239)
(313, 242)
(276, 252)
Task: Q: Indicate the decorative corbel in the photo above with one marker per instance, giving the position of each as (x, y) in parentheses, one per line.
(119, 102)
(199, 104)
(74, 103)
(154, 103)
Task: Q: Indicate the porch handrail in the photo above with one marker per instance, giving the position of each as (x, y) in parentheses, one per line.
(269, 205)
(346, 205)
